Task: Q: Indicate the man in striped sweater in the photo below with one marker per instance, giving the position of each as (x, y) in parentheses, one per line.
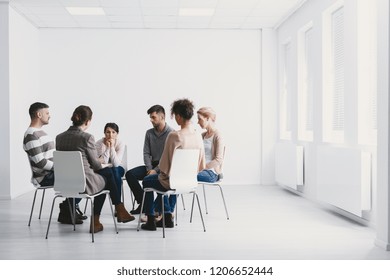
(39, 146)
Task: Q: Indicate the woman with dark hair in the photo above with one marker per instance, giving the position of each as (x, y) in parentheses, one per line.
(97, 178)
(110, 152)
(185, 138)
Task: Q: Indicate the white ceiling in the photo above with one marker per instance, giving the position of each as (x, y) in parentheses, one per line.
(140, 14)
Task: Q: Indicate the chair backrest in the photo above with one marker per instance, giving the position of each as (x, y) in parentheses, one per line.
(69, 175)
(124, 159)
(184, 170)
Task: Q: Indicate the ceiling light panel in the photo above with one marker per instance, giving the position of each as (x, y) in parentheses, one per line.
(198, 12)
(86, 11)
(198, 3)
(120, 3)
(77, 3)
(231, 4)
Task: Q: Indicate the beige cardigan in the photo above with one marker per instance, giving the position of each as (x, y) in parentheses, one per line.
(179, 140)
(216, 152)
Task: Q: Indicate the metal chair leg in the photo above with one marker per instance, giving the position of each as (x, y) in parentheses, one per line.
(192, 207)
(42, 199)
(112, 213)
(204, 195)
(224, 203)
(92, 221)
(163, 215)
(182, 199)
(142, 207)
(51, 214)
(200, 211)
(32, 207)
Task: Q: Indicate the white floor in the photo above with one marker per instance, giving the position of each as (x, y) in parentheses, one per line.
(266, 222)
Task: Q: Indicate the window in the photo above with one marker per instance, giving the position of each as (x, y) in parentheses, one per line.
(367, 73)
(305, 82)
(333, 63)
(286, 92)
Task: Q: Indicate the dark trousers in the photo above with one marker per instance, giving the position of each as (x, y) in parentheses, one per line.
(111, 185)
(133, 176)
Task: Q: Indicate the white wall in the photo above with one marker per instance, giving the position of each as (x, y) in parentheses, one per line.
(4, 95)
(24, 87)
(312, 11)
(121, 73)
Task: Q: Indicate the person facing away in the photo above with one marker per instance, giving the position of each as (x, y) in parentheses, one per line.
(39, 146)
(185, 138)
(153, 148)
(213, 146)
(110, 151)
(97, 178)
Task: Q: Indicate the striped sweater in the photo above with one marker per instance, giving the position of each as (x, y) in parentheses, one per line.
(39, 148)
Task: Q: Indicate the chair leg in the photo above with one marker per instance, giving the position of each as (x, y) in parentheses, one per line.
(85, 206)
(204, 195)
(182, 199)
(112, 213)
(74, 213)
(163, 214)
(176, 214)
(123, 193)
(32, 207)
(200, 211)
(42, 199)
(192, 207)
(132, 200)
(224, 203)
(92, 221)
(51, 214)
(142, 207)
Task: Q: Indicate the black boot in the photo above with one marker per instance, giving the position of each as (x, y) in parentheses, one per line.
(168, 221)
(64, 216)
(79, 214)
(150, 224)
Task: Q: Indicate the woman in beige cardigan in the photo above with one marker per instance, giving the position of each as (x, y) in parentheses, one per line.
(213, 145)
(185, 138)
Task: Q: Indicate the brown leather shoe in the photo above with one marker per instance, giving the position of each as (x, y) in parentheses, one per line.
(97, 226)
(122, 215)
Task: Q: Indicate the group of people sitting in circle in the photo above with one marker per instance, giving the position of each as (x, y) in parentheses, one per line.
(103, 159)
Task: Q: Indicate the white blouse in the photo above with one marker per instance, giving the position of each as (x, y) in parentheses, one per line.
(113, 155)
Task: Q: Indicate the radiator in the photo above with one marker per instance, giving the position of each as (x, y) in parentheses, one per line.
(289, 165)
(344, 178)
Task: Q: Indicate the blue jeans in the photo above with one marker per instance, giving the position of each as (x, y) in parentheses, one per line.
(152, 181)
(206, 175)
(118, 171)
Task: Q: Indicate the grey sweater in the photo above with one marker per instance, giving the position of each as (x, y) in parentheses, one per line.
(154, 146)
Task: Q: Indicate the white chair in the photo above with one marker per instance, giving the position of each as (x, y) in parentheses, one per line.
(182, 180)
(70, 182)
(215, 184)
(38, 187)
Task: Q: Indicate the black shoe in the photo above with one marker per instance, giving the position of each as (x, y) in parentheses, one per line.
(80, 215)
(168, 221)
(136, 211)
(150, 224)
